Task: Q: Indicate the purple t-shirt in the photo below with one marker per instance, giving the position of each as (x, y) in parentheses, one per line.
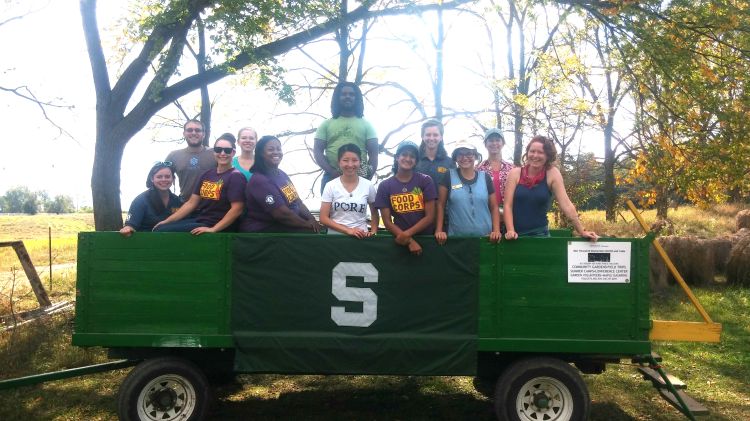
(265, 193)
(218, 192)
(407, 200)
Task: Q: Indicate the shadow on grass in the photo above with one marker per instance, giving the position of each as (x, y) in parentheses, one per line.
(350, 397)
(609, 411)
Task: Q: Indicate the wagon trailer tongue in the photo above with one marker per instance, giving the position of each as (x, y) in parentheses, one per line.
(671, 388)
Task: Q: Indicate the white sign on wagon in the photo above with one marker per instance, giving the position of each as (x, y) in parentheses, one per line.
(601, 262)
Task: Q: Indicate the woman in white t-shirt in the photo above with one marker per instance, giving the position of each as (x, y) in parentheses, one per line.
(347, 198)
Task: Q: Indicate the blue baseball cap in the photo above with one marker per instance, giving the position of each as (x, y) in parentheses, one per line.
(407, 144)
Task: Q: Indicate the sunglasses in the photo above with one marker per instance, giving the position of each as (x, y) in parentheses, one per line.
(219, 149)
(191, 130)
(163, 164)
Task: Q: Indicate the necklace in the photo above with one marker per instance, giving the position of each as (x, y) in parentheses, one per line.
(348, 184)
(404, 183)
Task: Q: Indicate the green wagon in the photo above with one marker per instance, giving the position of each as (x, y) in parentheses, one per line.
(525, 316)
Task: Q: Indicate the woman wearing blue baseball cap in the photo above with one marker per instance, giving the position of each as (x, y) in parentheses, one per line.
(406, 200)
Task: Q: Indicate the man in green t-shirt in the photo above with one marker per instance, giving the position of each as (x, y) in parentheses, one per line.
(346, 126)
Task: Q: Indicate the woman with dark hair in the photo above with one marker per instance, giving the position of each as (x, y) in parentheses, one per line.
(433, 158)
(217, 199)
(468, 196)
(409, 198)
(345, 199)
(272, 202)
(529, 191)
(155, 204)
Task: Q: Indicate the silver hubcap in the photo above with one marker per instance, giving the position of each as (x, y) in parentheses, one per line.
(169, 397)
(544, 399)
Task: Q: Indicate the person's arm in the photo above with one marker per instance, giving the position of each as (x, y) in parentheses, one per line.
(427, 219)
(319, 147)
(440, 236)
(135, 216)
(305, 212)
(373, 150)
(285, 216)
(374, 220)
(566, 206)
(510, 190)
(385, 215)
(495, 213)
(186, 209)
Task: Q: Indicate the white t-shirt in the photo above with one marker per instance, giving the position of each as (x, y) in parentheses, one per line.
(349, 209)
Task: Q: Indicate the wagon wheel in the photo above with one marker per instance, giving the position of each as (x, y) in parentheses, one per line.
(164, 389)
(541, 389)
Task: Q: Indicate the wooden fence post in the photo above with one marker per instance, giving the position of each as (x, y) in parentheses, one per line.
(28, 267)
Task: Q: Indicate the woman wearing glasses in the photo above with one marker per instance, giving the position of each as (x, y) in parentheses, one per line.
(468, 197)
(218, 197)
(273, 204)
(155, 204)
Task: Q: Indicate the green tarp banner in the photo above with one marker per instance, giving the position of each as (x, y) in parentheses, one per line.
(335, 304)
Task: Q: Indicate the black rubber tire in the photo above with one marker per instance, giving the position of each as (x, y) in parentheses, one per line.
(182, 385)
(550, 378)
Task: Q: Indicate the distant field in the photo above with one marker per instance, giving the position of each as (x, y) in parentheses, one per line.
(33, 231)
(715, 221)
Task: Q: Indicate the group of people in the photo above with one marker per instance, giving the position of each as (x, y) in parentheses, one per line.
(429, 193)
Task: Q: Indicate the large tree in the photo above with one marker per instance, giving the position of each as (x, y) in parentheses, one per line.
(243, 34)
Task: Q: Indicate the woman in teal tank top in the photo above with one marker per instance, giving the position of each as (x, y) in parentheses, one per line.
(468, 198)
(529, 191)
(247, 138)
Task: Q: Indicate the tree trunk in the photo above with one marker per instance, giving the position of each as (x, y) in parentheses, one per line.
(517, 134)
(662, 205)
(438, 84)
(105, 181)
(205, 97)
(610, 194)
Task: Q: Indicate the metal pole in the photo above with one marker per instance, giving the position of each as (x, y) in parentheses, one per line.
(49, 247)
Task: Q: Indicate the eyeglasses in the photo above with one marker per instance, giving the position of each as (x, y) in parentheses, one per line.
(163, 164)
(460, 155)
(219, 149)
(191, 130)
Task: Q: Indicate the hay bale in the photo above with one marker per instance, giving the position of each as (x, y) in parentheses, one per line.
(738, 266)
(721, 248)
(742, 219)
(693, 257)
